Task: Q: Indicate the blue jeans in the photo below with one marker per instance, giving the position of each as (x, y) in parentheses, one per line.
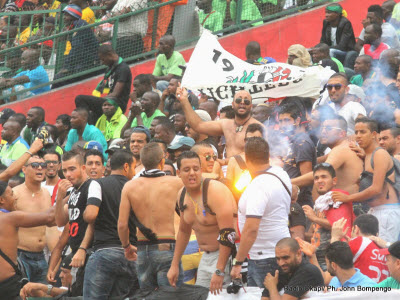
(153, 265)
(35, 265)
(258, 269)
(109, 274)
(162, 85)
(347, 58)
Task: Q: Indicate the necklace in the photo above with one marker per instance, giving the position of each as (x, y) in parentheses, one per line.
(239, 128)
(195, 203)
(33, 193)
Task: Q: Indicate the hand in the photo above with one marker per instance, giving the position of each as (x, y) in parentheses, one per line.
(295, 193)
(235, 272)
(216, 284)
(172, 275)
(36, 146)
(337, 232)
(222, 162)
(51, 275)
(270, 281)
(32, 289)
(63, 186)
(379, 241)
(309, 212)
(340, 197)
(181, 93)
(136, 109)
(133, 97)
(131, 253)
(79, 259)
(165, 94)
(307, 248)
(358, 150)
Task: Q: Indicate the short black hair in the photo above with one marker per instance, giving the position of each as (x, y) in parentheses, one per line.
(292, 109)
(65, 119)
(167, 125)
(368, 224)
(95, 153)
(376, 28)
(20, 118)
(256, 150)
(159, 141)
(229, 112)
(18, 178)
(143, 79)
(40, 110)
(53, 152)
(327, 167)
(341, 75)
(288, 242)
(106, 49)
(342, 123)
(254, 127)
(377, 10)
(82, 111)
(120, 158)
(186, 155)
(340, 253)
(322, 47)
(151, 155)
(171, 164)
(73, 154)
(372, 124)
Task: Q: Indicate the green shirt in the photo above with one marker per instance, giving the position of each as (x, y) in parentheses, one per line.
(214, 21)
(250, 12)
(389, 282)
(219, 6)
(11, 152)
(166, 66)
(339, 64)
(357, 80)
(112, 129)
(147, 120)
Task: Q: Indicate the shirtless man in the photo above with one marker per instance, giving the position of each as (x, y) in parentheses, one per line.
(233, 129)
(210, 167)
(31, 197)
(389, 139)
(212, 223)
(377, 191)
(347, 164)
(10, 221)
(152, 198)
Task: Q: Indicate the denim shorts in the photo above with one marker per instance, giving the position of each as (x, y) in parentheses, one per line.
(258, 269)
(153, 264)
(35, 265)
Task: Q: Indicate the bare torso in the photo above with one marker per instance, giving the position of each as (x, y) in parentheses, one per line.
(388, 194)
(348, 174)
(32, 239)
(204, 224)
(235, 140)
(154, 200)
(9, 242)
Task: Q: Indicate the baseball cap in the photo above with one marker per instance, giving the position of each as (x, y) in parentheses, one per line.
(65, 264)
(204, 116)
(183, 141)
(73, 10)
(356, 91)
(5, 114)
(393, 250)
(114, 147)
(93, 145)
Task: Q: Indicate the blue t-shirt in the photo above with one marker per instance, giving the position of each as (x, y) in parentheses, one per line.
(358, 279)
(36, 76)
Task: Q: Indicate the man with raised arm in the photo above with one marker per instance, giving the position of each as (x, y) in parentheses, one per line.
(208, 207)
(233, 129)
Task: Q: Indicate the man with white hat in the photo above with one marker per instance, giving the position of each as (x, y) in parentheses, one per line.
(356, 93)
(201, 137)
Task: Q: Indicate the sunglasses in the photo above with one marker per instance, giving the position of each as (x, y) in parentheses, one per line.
(239, 100)
(209, 157)
(52, 162)
(329, 128)
(337, 86)
(36, 165)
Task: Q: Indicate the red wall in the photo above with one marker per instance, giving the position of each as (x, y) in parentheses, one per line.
(275, 38)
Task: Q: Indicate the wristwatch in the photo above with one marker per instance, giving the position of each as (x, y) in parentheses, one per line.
(235, 262)
(219, 273)
(49, 288)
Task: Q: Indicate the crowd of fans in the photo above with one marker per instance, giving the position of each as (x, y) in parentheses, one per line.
(188, 194)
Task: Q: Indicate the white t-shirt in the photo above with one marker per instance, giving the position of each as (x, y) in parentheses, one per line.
(50, 188)
(267, 199)
(350, 112)
(333, 36)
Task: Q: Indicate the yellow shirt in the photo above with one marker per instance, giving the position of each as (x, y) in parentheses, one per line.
(56, 4)
(89, 17)
(23, 36)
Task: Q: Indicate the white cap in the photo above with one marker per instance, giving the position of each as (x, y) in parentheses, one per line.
(204, 116)
(356, 91)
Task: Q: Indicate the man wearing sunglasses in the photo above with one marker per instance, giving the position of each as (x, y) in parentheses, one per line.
(338, 88)
(210, 168)
(233, 129)
(31, 197)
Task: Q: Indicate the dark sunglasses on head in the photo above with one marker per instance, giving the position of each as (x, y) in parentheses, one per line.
(337, 86)
(36, 165)
(239, 100)
(53, 162)
(209, 157)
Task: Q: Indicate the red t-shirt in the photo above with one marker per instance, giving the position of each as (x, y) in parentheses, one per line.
(377, 52)
(366, 257)
(345, 210)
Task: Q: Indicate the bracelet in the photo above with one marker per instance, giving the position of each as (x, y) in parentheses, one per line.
(82, 249)
(126, 246)
(30, 153)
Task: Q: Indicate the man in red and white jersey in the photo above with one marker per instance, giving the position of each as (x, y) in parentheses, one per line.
(366, 255)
